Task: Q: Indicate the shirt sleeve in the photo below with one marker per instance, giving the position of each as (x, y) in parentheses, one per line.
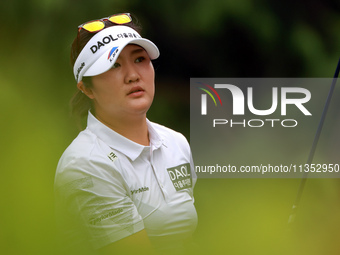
(93, 199)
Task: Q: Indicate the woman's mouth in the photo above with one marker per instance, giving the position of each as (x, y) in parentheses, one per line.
(136, 91)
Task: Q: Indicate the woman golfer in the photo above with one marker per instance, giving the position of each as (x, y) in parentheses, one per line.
(125, 184)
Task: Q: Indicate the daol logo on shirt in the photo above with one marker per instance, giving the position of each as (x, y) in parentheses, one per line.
(181, 176)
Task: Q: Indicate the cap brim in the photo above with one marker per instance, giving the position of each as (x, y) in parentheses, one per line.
(109, 57)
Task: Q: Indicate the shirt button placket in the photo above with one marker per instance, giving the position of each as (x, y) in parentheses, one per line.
(157, 174)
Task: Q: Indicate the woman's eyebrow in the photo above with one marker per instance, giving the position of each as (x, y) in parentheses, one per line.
(136, 51)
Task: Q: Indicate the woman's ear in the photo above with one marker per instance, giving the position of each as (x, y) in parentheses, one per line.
(87, 91)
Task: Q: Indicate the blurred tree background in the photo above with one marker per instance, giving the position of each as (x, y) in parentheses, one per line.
(196, 38)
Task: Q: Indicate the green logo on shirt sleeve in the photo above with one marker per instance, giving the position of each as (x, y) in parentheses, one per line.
(181, 176)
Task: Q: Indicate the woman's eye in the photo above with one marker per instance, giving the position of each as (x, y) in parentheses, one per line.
(140, 59)
(115, 65)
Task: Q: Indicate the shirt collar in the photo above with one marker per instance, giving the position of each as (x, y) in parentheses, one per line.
(119, 142)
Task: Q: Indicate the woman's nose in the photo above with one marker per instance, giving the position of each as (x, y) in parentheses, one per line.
(131, 74)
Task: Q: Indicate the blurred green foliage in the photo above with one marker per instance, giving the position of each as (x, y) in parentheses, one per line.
(217, 38)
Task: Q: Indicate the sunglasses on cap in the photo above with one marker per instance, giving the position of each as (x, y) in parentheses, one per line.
(98, 25)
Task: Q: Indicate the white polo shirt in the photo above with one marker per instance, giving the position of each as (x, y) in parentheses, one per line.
(108, 187)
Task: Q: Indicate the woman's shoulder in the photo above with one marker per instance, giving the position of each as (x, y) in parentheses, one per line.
(82, 145)
(166, 131)
(87, 157)
(85, 148)
(170, 136)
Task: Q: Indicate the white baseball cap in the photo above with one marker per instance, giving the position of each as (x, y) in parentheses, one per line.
(102, 50)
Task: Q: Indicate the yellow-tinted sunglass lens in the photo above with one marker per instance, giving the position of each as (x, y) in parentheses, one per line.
(94, 26)
(120, 19)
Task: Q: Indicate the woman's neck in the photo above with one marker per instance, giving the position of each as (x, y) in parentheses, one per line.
(134, 129)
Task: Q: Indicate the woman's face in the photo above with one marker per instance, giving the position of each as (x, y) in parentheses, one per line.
(127, 89)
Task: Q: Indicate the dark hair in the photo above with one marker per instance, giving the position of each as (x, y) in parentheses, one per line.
(80, 103)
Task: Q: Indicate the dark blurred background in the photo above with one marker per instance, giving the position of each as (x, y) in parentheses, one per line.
(216, 38)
